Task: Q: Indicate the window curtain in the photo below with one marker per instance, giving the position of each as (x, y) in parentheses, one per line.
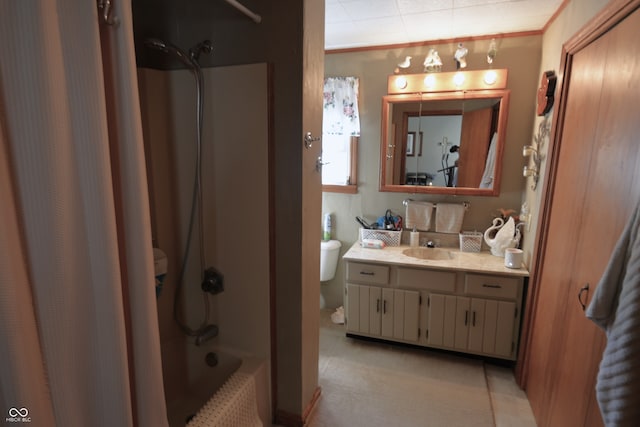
(78, 318)
(341, 120)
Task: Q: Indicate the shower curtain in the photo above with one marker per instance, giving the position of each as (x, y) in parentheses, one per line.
(79, 340)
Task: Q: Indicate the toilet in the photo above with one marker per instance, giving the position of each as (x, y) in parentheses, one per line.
(329, 252)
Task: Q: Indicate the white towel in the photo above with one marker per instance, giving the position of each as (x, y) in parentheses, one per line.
(449, 217)
(418, 215)
(490, 164)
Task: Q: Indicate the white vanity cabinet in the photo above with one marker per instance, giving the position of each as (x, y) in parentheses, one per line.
(453, 309)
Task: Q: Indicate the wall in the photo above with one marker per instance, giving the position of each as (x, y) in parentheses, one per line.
(576, 14)
(520, 55)
(234, 236)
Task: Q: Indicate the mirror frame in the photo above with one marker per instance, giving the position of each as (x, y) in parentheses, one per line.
(389, 100)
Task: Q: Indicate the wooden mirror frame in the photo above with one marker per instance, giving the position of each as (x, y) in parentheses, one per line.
(389, 100)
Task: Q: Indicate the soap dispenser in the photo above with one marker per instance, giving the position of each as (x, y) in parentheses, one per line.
(414, 238)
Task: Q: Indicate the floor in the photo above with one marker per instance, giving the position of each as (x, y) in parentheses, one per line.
(374, 384)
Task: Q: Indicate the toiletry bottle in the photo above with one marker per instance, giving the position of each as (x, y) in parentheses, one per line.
(327, 228)
(414, 238)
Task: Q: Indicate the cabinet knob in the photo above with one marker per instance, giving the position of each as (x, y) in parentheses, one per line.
(583, 289)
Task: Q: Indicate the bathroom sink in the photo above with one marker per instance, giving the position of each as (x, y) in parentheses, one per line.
(432, 254)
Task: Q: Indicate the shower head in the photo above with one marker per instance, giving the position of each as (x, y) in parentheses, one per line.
(165, 47)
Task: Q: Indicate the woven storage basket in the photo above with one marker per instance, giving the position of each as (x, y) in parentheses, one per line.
(470, 241)
(390, 238)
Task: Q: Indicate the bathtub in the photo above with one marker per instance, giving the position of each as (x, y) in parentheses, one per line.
(206, 381)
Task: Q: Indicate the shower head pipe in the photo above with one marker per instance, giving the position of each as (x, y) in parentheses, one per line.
(242, 8)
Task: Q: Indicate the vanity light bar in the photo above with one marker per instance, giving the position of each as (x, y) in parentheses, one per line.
(447, 82)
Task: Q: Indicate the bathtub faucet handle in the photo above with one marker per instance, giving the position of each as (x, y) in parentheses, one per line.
(213, 281)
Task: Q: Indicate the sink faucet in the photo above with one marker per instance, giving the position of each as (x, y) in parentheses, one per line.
(430, 244)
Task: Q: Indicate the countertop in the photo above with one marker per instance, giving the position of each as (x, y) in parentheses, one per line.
(478, 262)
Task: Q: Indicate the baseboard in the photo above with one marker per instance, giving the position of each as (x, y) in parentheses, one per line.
(287, 419)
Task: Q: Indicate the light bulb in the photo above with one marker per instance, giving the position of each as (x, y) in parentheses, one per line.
(458, 79)
(490, 77)
(430, 81)
(401, 82)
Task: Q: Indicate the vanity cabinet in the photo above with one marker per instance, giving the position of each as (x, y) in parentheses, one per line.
(448, 309)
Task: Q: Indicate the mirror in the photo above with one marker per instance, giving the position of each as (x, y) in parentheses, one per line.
(443, 143)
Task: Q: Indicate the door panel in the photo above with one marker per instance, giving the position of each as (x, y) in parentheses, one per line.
(462, 323)
(476, 328)
(375, 310)
(612, 183)
(411, 308)
(597, 185)
(353, 307)
(564, 230)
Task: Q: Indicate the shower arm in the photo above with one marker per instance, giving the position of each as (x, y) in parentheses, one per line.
(242, 8)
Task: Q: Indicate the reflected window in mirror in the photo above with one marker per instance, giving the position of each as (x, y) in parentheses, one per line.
(340, 132)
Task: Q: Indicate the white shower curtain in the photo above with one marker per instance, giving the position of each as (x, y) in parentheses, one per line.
(79, 340)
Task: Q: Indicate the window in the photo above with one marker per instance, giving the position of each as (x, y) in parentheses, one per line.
(340, 132)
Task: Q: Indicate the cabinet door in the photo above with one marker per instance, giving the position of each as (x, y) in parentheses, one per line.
(353, 308)
(476, 324)
(503, 327)
(375, 309)
(388, 310)
(442, 319)
(462, 323)
(410, 315)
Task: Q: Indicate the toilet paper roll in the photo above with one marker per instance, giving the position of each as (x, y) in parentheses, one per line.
(513, 258)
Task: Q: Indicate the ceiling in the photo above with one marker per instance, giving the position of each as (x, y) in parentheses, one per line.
(360, 23)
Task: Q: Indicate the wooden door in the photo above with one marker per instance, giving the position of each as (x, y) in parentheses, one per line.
(475, 138)
(596, 186)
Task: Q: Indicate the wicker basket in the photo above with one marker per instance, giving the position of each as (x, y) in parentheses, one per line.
(470, 241)
(390, 238)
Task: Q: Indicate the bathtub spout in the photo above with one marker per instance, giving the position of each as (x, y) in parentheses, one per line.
(209, 332)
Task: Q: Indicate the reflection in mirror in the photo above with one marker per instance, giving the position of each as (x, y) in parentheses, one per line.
(443, 143)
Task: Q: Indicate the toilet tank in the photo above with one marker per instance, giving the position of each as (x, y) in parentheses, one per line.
(329, 252)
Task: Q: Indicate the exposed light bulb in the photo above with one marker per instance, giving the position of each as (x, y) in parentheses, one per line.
(401, 82)
(458, 79)
(430, 81)
(490, 77)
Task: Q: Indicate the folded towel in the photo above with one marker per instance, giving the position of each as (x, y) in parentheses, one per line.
(418, 215)
(449, 217)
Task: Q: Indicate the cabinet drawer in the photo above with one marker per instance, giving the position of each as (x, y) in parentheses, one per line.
(368, 273)
(491, 286)
(442, 281)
